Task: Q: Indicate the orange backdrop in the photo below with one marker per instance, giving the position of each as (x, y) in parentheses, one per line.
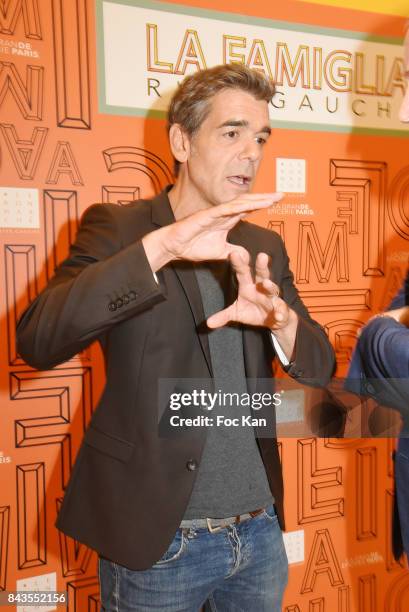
(348, 257)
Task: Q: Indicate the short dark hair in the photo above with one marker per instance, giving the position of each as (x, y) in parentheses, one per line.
(190, 104)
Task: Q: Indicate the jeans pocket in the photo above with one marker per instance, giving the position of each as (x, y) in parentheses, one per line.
(270, 513)
(175, 550)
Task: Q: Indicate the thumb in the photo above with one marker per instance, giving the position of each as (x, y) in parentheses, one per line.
(221, 318)
(281, 311)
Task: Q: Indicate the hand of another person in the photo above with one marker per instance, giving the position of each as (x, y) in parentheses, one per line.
(400, 315)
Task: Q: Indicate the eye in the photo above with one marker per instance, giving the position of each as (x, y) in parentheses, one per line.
(231, 134)
(261, 140)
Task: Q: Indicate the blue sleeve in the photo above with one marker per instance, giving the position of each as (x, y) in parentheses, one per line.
(383, 353)
(381, 356)
(384, 349)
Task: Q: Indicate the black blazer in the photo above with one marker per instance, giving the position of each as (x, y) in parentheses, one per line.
(129, 486)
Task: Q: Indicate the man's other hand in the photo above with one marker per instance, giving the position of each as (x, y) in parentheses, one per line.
(258, 302)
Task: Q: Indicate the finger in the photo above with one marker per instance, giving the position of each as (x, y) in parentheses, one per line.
(248, 203)
(281, 310)
(262, 270)
(270, 288)
(240, 261)
(221, 318)
(279, 315)
(257, 202)
(250, 197)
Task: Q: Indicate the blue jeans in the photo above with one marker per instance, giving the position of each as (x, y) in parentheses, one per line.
(241, 568)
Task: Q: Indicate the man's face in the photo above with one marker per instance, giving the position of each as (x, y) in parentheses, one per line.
(224, 154)
(404, 109)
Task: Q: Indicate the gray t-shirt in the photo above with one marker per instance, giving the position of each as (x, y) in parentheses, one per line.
(231, 478)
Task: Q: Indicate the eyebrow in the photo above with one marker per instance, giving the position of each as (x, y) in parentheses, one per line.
(242, 123)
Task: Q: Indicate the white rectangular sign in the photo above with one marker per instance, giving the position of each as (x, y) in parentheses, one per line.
(19, 208)
(326, 79)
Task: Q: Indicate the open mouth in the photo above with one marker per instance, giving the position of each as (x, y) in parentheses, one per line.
(240, 179)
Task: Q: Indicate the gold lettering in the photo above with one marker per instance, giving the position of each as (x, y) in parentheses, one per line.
(305, 103)
(190, 53)
(153, 63)
(258, 58)
(294, 71)
(354, 107)
(384, 109)
(281, 102)
(360, 86)
(153, 84)
(327, 105)
(380, 74)
(317, 68)
(396, 77)
(229, 55)
(339, 78)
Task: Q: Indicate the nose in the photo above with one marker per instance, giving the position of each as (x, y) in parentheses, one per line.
(251, 150)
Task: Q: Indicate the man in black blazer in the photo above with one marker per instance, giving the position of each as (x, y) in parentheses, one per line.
(192, 517)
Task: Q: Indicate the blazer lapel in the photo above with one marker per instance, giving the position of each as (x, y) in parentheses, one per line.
(162, 215)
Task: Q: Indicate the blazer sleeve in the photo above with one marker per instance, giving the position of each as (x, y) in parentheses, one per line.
(313, 359)
(100, 284)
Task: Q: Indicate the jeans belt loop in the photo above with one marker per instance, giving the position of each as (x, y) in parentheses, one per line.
(214, 529)
(238, 519)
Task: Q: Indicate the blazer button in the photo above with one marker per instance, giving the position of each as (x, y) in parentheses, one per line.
(119, 303)
(191, 465)
(125, 298)
(132, 295)
(112, 306)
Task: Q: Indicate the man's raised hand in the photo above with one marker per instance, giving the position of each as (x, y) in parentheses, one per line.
(202, 236)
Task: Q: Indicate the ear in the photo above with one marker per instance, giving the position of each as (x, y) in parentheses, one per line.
(179, 143)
